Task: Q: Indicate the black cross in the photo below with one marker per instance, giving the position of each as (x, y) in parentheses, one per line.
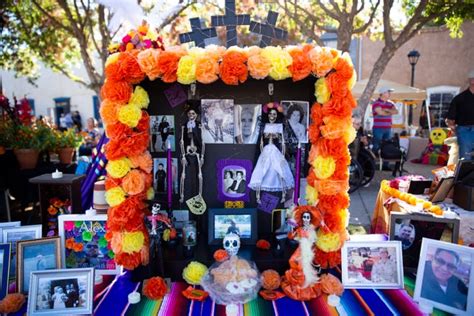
(268, 29)
(230, 20)
(198, 34)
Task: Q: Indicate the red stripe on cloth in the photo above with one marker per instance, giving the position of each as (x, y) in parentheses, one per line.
(320, 307)
(403, 302)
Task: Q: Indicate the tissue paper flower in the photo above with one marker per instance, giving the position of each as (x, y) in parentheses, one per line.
(155, 288)
(186, 70)
(132, 242)
(194, 272)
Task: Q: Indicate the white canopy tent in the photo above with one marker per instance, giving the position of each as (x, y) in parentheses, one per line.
(401, 92)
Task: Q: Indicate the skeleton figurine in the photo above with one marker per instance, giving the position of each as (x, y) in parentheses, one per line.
(231, 244)
(191, 146)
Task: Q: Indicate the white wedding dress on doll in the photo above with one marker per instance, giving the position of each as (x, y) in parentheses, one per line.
(272, 172)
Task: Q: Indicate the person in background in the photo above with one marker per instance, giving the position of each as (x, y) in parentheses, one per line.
(69, 121)
(382, 110)
(91, 139)
(76, 118)
(460, 119)
(62, 122)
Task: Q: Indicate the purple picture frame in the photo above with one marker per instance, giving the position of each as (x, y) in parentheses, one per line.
(232, 189)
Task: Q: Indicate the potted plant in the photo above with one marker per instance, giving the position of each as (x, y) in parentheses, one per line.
(26, 145)
(66, 144)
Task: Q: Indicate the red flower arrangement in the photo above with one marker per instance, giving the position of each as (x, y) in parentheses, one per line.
(155, 288)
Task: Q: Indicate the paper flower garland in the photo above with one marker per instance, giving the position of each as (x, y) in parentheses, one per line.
(123, 110)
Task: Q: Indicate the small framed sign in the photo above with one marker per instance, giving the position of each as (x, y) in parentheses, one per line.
(83, 243)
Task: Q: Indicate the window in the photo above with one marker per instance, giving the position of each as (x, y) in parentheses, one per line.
(439, 99)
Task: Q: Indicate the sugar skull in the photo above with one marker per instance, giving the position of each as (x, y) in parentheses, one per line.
(231, 244)
(437, 136)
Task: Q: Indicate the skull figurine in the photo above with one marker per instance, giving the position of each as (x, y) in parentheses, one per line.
(231, 244)
(306, 217)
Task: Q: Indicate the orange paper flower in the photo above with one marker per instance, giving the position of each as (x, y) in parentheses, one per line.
(328, 259)
(118, 91)
(70, 243)
(221, 255)
(270, 279)
(148, 61)
(322, 61)
(142, 161)
(301, 66)
(77, 247)
(232, 68)
(108, 111)
(12, 303)
(168, 65)
(134, 182)
(259, 66)
(263, 244)
(155, 288)
(331, 285)
(128, 260)
(330, 203)
(207, 69)
(111, 183)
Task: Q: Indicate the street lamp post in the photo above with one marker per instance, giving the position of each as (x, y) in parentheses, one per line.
(413, 57)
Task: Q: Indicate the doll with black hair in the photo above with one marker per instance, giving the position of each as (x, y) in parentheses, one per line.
(192, 147)
(272, 172)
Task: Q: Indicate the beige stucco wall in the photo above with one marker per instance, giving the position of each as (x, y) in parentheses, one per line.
(443, 61)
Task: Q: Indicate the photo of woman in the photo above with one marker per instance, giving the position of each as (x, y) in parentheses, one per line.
(246, 123)
(296, 113)
(162, 130)
(218, 121)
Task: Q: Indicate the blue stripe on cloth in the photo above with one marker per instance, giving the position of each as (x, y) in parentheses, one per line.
(377, 305)
(119, 290)
(287, 306)
(350, 303)
(202, 308)
(387, 302)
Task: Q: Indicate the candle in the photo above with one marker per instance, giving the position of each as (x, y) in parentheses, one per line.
(57, 174)
(296, 193)
(169, 176)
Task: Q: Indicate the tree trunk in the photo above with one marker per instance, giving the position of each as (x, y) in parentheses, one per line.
(375, 75)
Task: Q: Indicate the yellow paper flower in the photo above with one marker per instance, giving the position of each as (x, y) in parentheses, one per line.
(129, 115)
(321, 91)
(324, 167)
(118, 168)
(328, 242)
(150, 194)
(194, 272)
(186, 70)
(311, 195)
(353, 80)
(132, 242)
(114, 196)
(112, 59)
(349, 134)
(139, 98)
(280, 60)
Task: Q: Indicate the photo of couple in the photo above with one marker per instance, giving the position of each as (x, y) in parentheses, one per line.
(59, 294)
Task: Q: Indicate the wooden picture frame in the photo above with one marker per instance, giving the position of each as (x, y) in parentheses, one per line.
(219, 221)
(83, 243)
(372, 264)
(5, 250)
(38, 259)
(50, 292)
(443, 271)
(421, 226)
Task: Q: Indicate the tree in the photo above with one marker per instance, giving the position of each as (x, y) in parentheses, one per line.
(419, 15)
(347, 19)
(61, 33)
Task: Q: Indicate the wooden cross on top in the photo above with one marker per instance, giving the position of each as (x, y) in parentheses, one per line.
(268, 30)
(198, 34)
(230, 20)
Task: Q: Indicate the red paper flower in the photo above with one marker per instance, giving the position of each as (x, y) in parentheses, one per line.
(221, 255)
(233, 69)
(155, 288)
(263, 244)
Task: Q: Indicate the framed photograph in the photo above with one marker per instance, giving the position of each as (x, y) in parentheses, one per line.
(36, 255)
(66, 291)
(7, 225)
(246, 123)
(243, 222)
(14, 234)
(372, 264)
(233, 175)
(83, 243)
(4, 269)
(445, 277)
(160, 172)
(279, 223)
(162, 130)
(410, 229)
(217, 118)
(297, 115)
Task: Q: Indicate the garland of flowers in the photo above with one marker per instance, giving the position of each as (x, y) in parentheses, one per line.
(410, 199)
(129, 179)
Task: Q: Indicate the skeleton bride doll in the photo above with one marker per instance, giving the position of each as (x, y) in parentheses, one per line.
(192, 148)
(272, 172)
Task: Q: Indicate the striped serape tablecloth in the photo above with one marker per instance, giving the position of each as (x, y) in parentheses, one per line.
(113, 301)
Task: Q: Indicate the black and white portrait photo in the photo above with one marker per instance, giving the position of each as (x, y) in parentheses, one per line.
(217, 121)
(60, 294)
(234, 181)
(162, 131)
(246, 122)
(160, 173)
(297, 116)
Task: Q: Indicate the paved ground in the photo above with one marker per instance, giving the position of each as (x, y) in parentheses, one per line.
(363, 200)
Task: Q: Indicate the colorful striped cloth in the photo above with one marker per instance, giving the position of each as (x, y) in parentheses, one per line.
(353, 302)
